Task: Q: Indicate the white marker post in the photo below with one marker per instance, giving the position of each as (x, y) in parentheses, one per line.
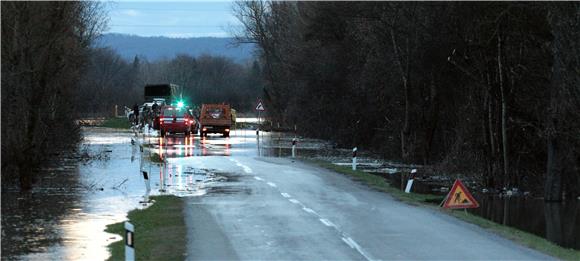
(410, 182)
(129, 242)
(294, 148)
(354, 158)
(147, 187)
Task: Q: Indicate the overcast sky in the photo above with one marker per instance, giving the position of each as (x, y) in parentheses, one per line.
(171, 19)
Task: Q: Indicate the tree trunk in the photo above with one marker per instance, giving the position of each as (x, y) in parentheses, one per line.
(503, 114)
(555, 166)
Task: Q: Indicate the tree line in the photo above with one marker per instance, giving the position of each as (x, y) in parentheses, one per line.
(45, 46)
(110, 80)
(489, 90)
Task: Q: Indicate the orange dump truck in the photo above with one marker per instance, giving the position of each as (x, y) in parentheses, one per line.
(215, 118)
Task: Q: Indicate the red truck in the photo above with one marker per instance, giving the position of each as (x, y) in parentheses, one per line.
(215, 118)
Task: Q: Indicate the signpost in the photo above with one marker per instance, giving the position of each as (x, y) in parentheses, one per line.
(259, 108)
(459, 197)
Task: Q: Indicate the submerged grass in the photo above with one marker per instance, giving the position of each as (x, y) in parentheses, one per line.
(117, 123)
(155, 158)
(160, 231)
(524, 238)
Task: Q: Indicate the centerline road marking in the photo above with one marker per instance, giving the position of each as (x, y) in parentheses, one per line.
(352, 244)
(327, 222)
(309, 210)
(286, 195)
(294, 201)
(247, 169)
(258, 178)
(272, 184)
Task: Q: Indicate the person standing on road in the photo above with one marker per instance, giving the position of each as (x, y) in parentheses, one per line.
(136, 114)
(155, 107)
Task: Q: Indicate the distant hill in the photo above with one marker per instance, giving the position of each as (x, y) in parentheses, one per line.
(155, 48)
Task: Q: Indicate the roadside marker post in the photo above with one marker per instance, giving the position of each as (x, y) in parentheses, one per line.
(147, 187)
(129, 242)
(294, 148)
(354, 158)
(410, 182)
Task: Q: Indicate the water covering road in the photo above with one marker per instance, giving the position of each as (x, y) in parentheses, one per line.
(240, 205)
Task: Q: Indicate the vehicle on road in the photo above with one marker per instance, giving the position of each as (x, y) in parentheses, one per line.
(215, 118)
(169, 93)
(176, 120)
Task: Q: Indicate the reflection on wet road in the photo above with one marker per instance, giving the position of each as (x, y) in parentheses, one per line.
(63, 218)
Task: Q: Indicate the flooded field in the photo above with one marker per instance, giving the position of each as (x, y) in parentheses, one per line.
(64, 216)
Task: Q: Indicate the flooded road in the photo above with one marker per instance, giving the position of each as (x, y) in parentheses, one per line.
(64, 216)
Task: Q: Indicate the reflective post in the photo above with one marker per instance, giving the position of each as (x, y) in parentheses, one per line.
(410, 182)
(147, 187)
(129, 242)
(294, 148)
(354, 158)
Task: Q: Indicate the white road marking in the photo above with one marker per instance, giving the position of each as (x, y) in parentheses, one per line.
(355, 246)
(309, 210)
(327, 222)
(247, 169)
(346, 239)
(294, 201)
(348, 242)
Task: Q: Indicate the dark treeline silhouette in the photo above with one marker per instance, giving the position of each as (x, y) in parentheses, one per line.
(44, 49)
(489, 90)
(110, 81)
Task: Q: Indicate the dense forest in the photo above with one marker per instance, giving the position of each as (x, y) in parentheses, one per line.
(110, 80)
(489, 90)
(45, 48)
(156, 48)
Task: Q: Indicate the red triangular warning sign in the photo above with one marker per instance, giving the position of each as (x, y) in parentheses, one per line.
(459, 197)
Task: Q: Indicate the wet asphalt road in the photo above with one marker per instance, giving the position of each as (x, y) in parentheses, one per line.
(269, 208)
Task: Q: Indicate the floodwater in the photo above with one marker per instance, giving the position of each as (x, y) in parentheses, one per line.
(64, 216)
(73, 200)
(557, 222)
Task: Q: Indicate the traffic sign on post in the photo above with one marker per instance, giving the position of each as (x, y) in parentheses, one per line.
(260, 106)
(459, 197)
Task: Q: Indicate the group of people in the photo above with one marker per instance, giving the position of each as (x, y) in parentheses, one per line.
(146, 116)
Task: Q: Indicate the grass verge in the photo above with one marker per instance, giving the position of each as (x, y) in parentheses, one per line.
(155, 158)
(117, 123)
(160, 231)
(524, 238)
